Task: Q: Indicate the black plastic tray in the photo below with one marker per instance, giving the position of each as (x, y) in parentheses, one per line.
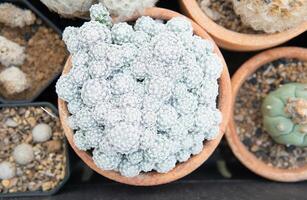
(67, 170)
(26, 4)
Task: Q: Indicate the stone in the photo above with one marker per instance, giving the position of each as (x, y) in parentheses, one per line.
(53, 146)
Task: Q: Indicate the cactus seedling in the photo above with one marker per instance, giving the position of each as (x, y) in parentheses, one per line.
(285, 114)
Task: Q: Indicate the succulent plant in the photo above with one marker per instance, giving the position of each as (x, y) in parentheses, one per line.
(23, 154)
(13, 16)
(271, 15)
(14, 80)
(11, 53)
(41, 132)
(7, 170)
(79, 8)
(285, 114)
(144, 104)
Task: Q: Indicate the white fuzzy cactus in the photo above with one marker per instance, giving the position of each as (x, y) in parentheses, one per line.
(79, 8)
(14, 80)
(271, 15)
(11, 53)
(149, 97)
(12, 16)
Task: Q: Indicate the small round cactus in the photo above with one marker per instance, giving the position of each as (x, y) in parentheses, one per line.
(23, 154)
(285, 114)
(13, 16)
(41, 132)
(7, 170)
(11, 53)
(14, 80)
(271, 15)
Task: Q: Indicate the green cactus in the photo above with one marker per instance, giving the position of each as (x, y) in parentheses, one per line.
(285, 114)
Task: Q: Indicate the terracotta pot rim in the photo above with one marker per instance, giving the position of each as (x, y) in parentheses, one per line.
(182, 169)
(232, 40)
(238, 148)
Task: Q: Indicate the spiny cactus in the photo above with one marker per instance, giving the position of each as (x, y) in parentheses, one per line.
(79, 8)
(271, 15)
(14, 80)
(285, 114)
(13, 16)
(139, 95)
(11, 53)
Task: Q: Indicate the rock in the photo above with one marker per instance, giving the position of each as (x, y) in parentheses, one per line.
(33, 186)
(23, 154)
(7, 170)
(11, 123)
(41, 132)
(53, 146)
(47, 186)
(8, 183)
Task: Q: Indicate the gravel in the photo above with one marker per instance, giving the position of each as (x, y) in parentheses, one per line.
(47, 169)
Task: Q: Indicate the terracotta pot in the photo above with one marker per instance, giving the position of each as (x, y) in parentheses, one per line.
(232, 40)
(182, 169)
(238, 148)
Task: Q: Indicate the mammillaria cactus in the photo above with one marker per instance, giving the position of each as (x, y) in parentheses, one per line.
(13, 16)
(23, 154)
(273, 15)
(285, 114)
(140, 107)
(14, 80)
(7, 170)
(11, 53)
(41, 132)
(79, 8)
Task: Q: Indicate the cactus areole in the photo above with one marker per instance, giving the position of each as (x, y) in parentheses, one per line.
(285, 114)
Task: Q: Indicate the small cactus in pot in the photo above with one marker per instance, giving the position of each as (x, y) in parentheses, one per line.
(285, 114)
(271, 16)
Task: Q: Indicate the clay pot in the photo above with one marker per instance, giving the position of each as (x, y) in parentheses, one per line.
(232, 40)
(238, 148)
(182, 169)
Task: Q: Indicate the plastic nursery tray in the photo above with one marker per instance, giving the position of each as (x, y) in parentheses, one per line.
(67, 170)
(26, 4)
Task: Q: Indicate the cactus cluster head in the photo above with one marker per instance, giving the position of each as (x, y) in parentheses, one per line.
(142, 97)
(14, 80)
(13, 16)
(79, 8)
(285, 114)
(271, 15)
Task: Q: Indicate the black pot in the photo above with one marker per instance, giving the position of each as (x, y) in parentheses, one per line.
(27, 5)
(67, 170)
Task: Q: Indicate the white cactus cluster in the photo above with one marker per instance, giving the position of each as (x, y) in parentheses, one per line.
(79, 8)
(271, 15)
(141, 97)
(13, 16)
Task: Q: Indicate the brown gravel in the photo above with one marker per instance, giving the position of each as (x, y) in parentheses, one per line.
(46, 55)
(248, 116)
(221, 11)
(47, 170)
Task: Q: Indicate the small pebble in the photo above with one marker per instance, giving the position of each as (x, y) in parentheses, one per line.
(23, 154)
(11, 123)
